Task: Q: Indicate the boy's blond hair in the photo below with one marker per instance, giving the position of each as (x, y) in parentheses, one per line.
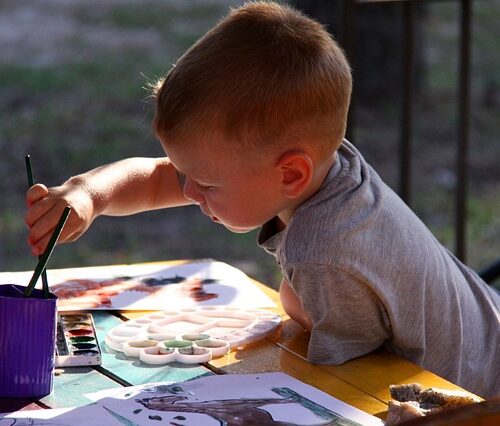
(261, 69)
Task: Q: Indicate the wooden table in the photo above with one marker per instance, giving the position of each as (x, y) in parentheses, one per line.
(362, 382)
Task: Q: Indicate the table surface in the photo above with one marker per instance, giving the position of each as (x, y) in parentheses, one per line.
(362, 382)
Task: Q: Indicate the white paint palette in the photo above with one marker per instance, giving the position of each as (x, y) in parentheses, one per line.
(191, 335)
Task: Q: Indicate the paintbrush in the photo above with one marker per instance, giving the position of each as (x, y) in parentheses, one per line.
(44, 258)
(31, 182)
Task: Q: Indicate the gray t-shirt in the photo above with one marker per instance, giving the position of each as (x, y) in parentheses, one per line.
(370, 274)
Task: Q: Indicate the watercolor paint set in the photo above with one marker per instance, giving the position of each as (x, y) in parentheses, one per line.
(76, 343)
(191, 335)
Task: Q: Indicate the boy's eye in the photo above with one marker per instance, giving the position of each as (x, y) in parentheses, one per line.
(183, 180)
(205, 187)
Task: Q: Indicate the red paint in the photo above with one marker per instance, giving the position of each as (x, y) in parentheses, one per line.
(80, 332)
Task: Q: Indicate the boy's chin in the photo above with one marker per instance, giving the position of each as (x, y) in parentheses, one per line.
(239, 230)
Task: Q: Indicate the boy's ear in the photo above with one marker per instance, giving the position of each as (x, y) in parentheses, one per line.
(296, 170)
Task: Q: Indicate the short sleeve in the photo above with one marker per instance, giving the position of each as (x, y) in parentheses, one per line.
(349, 320)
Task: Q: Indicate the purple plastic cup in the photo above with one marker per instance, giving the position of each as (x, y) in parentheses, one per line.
(27, 342)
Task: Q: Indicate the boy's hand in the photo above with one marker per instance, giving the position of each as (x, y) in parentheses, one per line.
(121, 188)
(45, 207)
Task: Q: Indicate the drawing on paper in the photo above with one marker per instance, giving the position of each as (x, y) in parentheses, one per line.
(232, 400)
(150, 286)
(94, 294)
(245, 411)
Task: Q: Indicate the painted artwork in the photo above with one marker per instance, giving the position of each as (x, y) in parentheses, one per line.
(154, 286)
(231, 400)
(223, 400)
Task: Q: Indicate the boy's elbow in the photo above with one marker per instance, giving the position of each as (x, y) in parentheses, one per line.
(293, 306)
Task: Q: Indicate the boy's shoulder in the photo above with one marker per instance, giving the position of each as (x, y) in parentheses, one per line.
(349, 201)
(353, 218)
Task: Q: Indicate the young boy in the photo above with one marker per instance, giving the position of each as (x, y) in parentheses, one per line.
(252, 117)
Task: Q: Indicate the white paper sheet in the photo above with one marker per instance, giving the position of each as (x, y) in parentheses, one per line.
(149, 286)
(88, 415)
(265, 399)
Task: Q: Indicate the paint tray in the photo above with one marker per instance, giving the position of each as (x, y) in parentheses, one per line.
(191, 335)
(76, 343)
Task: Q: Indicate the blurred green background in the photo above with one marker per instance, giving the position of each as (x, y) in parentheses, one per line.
(72, 95)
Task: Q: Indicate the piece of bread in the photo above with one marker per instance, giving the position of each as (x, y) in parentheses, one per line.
(445, 398)
(402, 411)
(405, 393)
(413, 400)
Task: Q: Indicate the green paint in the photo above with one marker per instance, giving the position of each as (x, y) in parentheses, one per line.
(81, 339)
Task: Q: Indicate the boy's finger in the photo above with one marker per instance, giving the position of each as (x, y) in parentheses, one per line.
(40, 233)
(38, 247)
(43, 225)
(35, 193)
(37, 210)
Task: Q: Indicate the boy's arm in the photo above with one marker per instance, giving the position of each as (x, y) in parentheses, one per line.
(349, 318)
(130, 186)
(293, 307)
(121, 188)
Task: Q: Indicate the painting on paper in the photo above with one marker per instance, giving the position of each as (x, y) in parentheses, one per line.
(154, 286)
(232, 400)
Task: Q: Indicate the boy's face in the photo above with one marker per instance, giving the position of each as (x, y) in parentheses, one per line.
(239, 191)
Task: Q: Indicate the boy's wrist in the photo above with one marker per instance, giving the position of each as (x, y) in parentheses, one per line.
(90, 198)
